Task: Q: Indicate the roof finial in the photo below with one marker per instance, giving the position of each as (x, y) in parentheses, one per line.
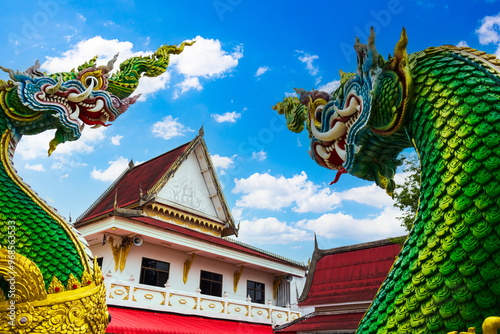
(201, 132)
(315, 242)
(131, 163)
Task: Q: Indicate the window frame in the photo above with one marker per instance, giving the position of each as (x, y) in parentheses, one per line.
(212, 283)
(251, 291)
(144, 269)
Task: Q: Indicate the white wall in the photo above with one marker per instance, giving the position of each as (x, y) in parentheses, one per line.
(176, 260)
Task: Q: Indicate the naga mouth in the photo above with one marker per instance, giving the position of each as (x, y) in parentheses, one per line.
(329, 146)
(81, 107)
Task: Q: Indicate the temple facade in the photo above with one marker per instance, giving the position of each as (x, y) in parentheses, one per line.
(167, 245)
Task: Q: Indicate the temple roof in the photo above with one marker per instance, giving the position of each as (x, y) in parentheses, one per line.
(143, 185)
(348, 274)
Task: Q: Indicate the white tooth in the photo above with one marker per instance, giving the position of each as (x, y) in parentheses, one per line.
(55, 88)
(338, 130)
(74, 115)
(340, 152)
(353, 107)
(322, 152)
(328, 149)
(97, 126)
(98, 106)
(73, 97)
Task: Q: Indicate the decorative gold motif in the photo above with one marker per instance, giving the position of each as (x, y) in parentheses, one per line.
(73, 283)
(80, 310)
(118, 292)
(56, 286)
(490, 326)
(120, 253)
(182, 301)
(212, 305)
(187, 267)
(111, 291)
(276, 284)
(148, 296)
(184, 219)
(237, 276)
(237, 309)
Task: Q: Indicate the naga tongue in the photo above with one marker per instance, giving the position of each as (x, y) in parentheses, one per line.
(337, 177)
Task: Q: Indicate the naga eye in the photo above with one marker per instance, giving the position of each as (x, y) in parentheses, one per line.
(91, 81)
(94, 78)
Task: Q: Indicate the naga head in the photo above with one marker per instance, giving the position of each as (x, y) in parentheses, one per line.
(359, 128)
(90, 95)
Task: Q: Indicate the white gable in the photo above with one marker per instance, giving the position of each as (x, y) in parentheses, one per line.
(188, 187)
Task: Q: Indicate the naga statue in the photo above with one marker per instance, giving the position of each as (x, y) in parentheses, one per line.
(445, 103)
(49, 282)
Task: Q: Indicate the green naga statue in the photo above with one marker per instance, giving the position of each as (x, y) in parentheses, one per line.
(444, 102)
(48, 281)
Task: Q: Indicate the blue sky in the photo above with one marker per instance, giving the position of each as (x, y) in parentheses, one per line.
(248, 56)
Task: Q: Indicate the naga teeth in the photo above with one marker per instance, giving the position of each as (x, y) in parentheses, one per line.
(97, 126)
(340, 152)
(322, 152)
(98, 106)
(74, 115)
(52, 89)
(338, 130)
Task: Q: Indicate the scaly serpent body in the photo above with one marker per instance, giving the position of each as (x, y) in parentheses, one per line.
(445, 102)
(48, 283)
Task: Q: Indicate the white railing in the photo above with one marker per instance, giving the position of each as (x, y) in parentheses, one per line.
(130, 294)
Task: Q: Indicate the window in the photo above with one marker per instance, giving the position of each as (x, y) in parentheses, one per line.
(154, 272)
(99, 262)
(211, 283)
(256, 291)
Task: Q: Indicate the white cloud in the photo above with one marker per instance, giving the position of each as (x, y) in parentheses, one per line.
(116, 167)
(186, 85)
(261, 70)
(330, 86)
(308, 60)
(169, 127)
(223, 163)
(260, 156)
(205, 58)
(115, 140)
(371, 195)
(36, 146)
(462, 43)
(340, 225)
(81, 17)
(271, 231)
(37, 167)
(229, 117)
(488, 32)
(264, 191)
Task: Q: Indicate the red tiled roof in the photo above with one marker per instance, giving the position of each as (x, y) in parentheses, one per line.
(212, 239)
(143, 176)
(316, 323)
(351, 276)
(127, 321)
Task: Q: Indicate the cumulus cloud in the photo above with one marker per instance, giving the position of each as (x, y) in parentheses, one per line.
(222, 163)
(261, 70)
(169, 128)
(271, 231)
(488, 32)
(340, 225)
(308, 60)
(205, 58)
(116, 167)
(37, 167)
(260, 156)
(462, 43)
(330, 86)
(229, 117)
(115, 140)
(264, 191)
(32, 147)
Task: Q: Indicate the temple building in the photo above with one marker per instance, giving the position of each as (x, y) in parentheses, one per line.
(166, 242)
(341, 285)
